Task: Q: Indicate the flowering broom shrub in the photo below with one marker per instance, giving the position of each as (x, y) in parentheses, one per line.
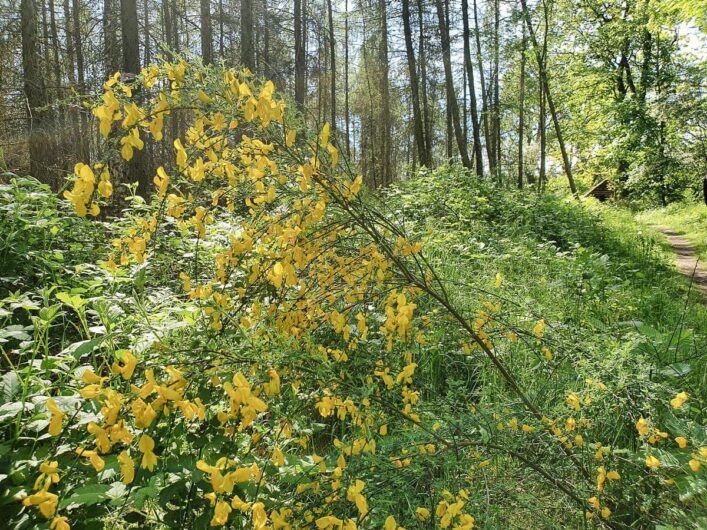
(276, 382)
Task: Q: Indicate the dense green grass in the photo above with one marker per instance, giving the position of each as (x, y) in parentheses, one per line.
(615, 308)
(584, 263)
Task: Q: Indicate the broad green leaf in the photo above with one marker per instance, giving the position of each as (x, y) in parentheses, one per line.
(81, 348)
(86, 495)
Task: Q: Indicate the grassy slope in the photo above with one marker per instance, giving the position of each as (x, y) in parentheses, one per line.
(615, 308)
(577, 262)
(689, 220)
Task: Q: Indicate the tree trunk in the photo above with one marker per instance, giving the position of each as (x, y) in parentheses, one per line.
(60, 123)
(111, 48)
(146, 24)
(369, 141)
(175, 26)
(207, 36)
(55, 45)
(550, 102)
(346, 81)
(45, 39)
(267, 70)
(319, 69)
(247, 47)
(74, 126)
(305, 41)
(79, 45)
(70, 64)
(387, 176)
(129, 30)
(137, 170)
(449, 137)
(81, 71)
(497, 86)
(167, 23)
(220, 30)
(646, 71)
(479, 162)
(542, 177)
(449, 83)
(332, 65)
(418, 126)
(521, 123)
(257, 34)
(299, 57)
(426, 115)
(54, 141)
(34, 88)
(542, 180)
(465, 112)
(484, 95)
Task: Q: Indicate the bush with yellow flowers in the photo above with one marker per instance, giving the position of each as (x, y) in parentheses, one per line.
(272, 378)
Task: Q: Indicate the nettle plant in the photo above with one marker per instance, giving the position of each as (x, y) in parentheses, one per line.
(276, 406)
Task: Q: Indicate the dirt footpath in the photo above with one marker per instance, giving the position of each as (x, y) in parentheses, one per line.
(686, 258)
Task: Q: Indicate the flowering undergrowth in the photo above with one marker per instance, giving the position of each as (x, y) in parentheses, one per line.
(253, 351)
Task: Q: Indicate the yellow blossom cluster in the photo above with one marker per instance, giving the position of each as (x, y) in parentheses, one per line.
(82, 193)
(293, 266)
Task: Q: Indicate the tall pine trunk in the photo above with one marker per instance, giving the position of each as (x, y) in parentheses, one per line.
(347, 116)
(497, 85)
(299, 56)
(478, 158)
(34, 88)
(167, 23)
(267, 67)
(220, 30)
(449, 84)
(521, 110)
(542, 126)
(59, 117)
(207, 35)
(111, 44)
(137, 167)
(332, 64)
(426, 114)
(387, 175)
(146, 28)
(247, 45)
(484, 95)
(83, 145)
(418, 126)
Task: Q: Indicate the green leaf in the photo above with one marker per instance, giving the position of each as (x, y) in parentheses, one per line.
(16, 332)
(116, 491)
(74, 301)
(9, 387)
(86, 496)
(177, 489)
(676, 370)
(10, 410)
(142, 494)
(81, 348)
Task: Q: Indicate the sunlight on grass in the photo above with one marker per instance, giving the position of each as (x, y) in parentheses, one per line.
(689, 220)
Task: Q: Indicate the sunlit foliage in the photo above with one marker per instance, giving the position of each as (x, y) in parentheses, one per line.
(287, 391)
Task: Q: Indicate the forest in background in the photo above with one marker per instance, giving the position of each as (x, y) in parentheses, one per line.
(521, 91)
(344, 265)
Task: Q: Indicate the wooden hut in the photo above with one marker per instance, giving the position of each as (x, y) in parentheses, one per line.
(602, 191)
